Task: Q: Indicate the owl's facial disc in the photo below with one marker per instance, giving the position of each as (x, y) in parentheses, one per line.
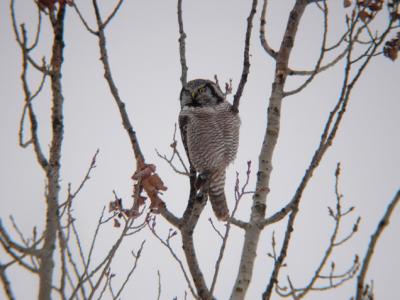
(200, 93)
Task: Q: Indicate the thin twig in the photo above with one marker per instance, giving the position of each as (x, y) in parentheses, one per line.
(62, 242)
(6, 282)
(239, 193)
(246, 58)
(253, 231)
(159, 285)
(109, 258)
(39, 24)
(182, 46)
(17, 258)
(216, 229)
(9, 243)
(384, 222)
(299, 293)
(327, 137)
(26, 242)
(71, 196)
(320, 69)
(85, 275)
(169, 161)
(175, 151)
(113, 13)
(172, 252)
(137, 256)
(263, 39)
(42, 160)
(84, 22)
(320, 58)
(113, 88)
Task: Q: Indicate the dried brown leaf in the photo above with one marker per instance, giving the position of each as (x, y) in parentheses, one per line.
(347, 3)
(364, 16)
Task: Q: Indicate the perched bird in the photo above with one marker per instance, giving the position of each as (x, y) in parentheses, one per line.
(210, 135)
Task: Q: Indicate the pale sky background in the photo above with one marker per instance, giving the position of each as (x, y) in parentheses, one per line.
(144, 57)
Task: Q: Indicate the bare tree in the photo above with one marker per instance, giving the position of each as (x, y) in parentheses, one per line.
(59, 246)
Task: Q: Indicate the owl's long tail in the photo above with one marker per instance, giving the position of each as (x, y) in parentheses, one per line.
(217, 195)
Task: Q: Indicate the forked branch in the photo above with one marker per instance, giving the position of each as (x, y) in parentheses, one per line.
(320, 282)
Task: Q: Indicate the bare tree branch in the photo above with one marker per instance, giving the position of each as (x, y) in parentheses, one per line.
(106, 262)
(320, 58)
(71, 196)
(84, 22)
(194, 209)
(263, 39)
(182, 46)
(167, 244)
(159, 285)
(170, 217)
(53, 169)
(239, 193)
(334, 280)
(176, 153)
(42, 160)
(17, 258)
(8, 242)
(320, 69)
(136, 256)
(78, 275)
(6, 282)
(328, 65)
(360, 288)
(327, 137)
(246, 58)
(113, 13)
(254, 229)
(113, 88)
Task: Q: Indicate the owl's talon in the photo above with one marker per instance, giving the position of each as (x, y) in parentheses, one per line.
(201, 179)
(199, 195)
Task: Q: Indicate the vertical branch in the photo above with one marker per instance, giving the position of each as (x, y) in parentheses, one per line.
(28, 105)
(159, 285)
(182, 46)
(239, 193)
(371, 246)
(23, 44)
(53, 169)
(263, 39)
(6, 282)
(246, 58)
(195, 204)
(252, 232)
(192, 214)
(327, 137)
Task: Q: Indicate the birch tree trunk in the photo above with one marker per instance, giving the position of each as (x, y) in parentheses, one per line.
(253, 231)
(53, 168)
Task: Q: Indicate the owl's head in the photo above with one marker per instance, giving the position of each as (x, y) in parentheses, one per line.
(200, 93)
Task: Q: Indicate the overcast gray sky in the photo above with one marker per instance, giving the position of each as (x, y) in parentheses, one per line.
(143, 49)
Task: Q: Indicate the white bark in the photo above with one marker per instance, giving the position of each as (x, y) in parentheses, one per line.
(252, 234)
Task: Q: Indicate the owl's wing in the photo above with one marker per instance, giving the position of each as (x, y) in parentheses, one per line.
(183, 121)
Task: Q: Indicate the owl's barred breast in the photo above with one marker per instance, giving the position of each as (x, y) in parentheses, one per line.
(212, 136)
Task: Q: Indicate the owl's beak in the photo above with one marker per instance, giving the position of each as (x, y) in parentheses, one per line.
(194, 95)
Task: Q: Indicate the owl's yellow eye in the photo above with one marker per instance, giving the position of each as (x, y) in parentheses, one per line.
(201, 90)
